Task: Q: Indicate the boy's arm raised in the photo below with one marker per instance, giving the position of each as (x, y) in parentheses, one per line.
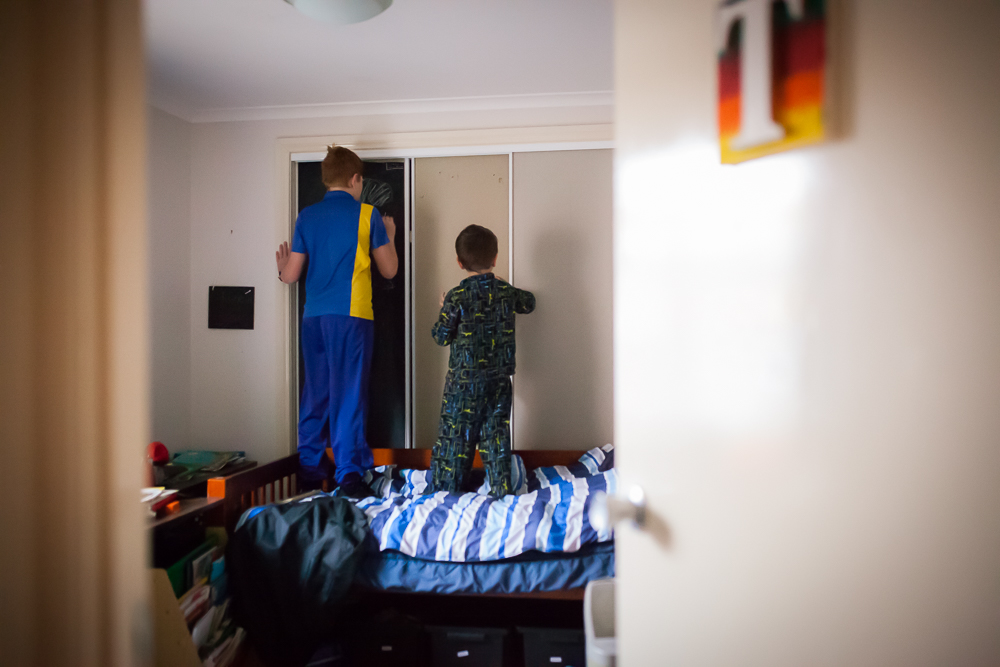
(446, 327)
(289, 264)
(385, 255)
(524, 302)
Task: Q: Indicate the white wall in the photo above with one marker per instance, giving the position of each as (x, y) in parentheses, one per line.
(169, 161)
(238, 377)
(807, 372)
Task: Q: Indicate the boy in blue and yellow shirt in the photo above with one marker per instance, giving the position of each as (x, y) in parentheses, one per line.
(340, 237)
(477, 320)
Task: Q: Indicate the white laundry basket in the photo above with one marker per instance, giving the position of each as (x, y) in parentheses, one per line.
(599, 623)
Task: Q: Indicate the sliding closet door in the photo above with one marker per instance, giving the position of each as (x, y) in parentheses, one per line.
(384, 189)
(449, 193)
(563, 395)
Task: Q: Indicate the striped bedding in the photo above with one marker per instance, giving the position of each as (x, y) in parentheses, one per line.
(548, 513)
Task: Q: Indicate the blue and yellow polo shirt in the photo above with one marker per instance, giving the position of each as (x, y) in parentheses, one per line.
(338, 235)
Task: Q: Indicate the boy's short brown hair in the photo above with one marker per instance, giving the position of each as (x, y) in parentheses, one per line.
(339, 167)
(476, 248)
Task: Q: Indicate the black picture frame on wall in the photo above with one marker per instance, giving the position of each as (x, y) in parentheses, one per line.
(230, 307)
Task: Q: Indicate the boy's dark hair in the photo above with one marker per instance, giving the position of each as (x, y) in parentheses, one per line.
(339, 167)
(476, 248)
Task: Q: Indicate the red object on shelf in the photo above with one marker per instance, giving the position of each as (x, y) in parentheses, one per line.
(157, 453)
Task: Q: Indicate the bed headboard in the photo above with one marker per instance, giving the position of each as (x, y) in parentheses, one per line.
(420, 459)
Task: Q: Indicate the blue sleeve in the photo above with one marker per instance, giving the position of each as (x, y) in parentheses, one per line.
(298, 241)
(379, 237)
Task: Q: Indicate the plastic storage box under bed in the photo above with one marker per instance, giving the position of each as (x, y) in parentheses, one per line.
(468, 647)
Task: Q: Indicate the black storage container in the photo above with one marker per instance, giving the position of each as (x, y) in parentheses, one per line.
(393, 644)
(329, 655)
(550, 647)
(467, 647)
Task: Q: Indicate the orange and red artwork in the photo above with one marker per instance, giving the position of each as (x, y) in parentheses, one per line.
(772, 62)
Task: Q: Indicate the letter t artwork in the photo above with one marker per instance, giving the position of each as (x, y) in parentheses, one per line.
(772, 67)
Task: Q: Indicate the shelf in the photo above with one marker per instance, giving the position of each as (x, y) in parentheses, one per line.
(189, 507)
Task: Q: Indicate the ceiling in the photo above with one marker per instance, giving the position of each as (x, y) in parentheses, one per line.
(244, 59)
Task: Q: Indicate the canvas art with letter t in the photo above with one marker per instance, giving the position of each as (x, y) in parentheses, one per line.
(772, 62)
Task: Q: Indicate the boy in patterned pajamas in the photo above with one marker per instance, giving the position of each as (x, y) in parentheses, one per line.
(477, 320)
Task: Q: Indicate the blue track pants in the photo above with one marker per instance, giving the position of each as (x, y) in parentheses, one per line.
(333, 412)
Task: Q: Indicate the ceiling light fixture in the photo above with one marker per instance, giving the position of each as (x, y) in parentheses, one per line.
(341, 11)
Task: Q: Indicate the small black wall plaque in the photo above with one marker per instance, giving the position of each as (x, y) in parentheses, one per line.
(230, 307)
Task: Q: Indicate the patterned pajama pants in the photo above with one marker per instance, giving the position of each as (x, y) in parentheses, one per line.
(475, 411)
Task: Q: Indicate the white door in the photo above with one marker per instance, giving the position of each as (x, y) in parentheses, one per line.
(807, 351)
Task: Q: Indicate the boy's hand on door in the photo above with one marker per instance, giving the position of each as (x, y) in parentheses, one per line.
(441, 303)
(390, 226)
(281, 257)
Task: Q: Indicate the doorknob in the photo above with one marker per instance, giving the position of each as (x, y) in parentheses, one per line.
(607, 511)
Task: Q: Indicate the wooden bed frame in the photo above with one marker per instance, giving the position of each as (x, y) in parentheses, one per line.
(276, 481)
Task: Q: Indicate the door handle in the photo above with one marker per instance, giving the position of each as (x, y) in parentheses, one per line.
(607, 511)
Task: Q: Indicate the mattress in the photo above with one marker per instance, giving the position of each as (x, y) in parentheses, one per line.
(529, 572)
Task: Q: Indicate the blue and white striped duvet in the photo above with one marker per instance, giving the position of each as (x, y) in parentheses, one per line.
(549, 513)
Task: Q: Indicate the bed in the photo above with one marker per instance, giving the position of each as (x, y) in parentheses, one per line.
(397, 562)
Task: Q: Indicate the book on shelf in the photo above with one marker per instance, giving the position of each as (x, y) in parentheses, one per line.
(157, 499)
(200, 584)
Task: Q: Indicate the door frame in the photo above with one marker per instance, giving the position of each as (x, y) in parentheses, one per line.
(406, 147)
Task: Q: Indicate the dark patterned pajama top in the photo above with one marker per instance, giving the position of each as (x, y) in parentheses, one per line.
(478, 321)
